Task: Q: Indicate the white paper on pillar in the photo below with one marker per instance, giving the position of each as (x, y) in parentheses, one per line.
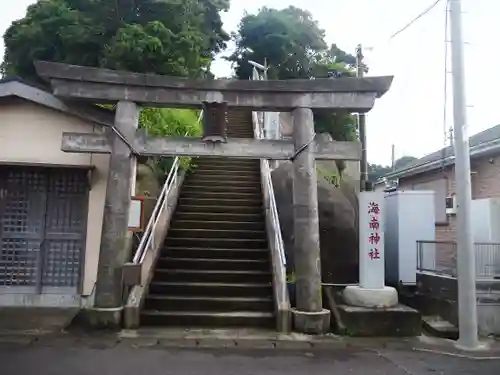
(371, 242)
(135, 214)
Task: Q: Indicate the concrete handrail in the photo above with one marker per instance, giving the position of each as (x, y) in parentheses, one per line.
(273, 230)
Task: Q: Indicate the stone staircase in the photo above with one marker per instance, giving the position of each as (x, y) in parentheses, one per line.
(214, 269)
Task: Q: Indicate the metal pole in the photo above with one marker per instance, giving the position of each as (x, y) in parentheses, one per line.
(466, 262)
(362, 124)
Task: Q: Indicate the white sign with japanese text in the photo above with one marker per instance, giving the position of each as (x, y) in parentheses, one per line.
(371, 241)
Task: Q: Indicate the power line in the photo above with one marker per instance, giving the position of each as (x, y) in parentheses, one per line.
(410, 23)
(422, 14)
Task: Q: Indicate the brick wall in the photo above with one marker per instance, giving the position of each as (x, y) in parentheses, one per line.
(485, 180)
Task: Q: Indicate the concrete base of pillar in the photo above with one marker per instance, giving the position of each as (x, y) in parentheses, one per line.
(396, 321)
(311, 322)
(370, 298)
(100, 318)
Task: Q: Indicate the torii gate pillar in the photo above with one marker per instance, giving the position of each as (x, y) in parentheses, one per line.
(112, 254)
(309, 315)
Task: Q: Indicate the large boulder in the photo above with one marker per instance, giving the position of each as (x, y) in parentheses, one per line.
(338, 221)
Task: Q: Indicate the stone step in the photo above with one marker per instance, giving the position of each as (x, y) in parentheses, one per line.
(173, 262)
(196, 201)
(220, 194)
(225, 172)
(220, 225)
(211, 289)
(215, 253)
(221, 209)
(201, 175)
(214, 276)
(213, 181)
(161, 302)
(221, 188)
(219, 216)
(248, 164)
(207, 318)
(218, 159)
(247, 168)
(439, 327)
(218, 233)
(217, 243)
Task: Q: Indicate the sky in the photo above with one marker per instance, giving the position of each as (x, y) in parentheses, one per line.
(411, 115)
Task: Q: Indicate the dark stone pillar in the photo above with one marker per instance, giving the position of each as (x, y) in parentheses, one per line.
(309, 316)
(115, 222)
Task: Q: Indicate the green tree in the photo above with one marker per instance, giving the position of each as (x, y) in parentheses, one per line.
(377, 171)
(292, 44)
(174, 37)
(286, 38)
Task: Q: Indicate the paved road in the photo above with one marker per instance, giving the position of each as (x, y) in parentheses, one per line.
(40, 359)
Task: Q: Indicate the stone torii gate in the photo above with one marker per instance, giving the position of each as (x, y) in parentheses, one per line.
(129, 90)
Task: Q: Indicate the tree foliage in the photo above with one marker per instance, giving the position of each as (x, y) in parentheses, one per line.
(287, 38)
(377, 171)
(174, 37)
(170, 122)
(293, 45)
(171, 37)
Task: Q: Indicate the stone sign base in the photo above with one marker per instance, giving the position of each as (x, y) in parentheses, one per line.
(397, 321)
(371, 298)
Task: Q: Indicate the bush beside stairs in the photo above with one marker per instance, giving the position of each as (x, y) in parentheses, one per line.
(214, 268)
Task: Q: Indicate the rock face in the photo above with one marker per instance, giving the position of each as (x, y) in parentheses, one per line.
(338, 218)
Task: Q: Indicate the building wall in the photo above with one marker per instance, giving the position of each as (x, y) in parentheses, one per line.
(485, 183)
(31, 134)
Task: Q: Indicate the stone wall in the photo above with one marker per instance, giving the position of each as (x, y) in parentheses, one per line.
(439, 296)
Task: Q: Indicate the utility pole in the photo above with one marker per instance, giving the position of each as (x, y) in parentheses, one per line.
(362, 124)
(466, 259)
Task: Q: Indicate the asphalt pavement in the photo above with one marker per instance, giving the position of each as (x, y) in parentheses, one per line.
(43, 358)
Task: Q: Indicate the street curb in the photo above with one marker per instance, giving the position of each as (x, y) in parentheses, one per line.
(268, 340)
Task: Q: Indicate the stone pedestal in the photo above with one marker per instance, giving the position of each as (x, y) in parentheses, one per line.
(396, 321)
(311, 322)
(101, 318)
(376, 298)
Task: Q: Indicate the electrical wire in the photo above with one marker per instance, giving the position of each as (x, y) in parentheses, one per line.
(409, 24)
